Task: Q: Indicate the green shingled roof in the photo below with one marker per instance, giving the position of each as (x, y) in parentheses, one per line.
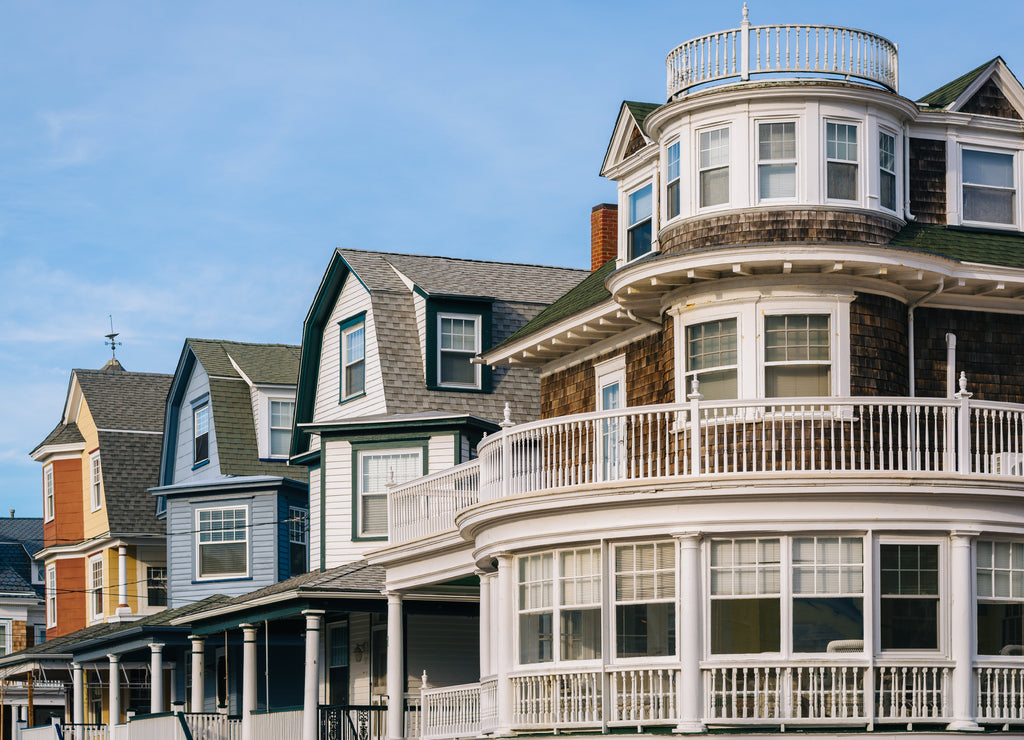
(640, 111)
(964, 245)
(589, 292)
(949, 92)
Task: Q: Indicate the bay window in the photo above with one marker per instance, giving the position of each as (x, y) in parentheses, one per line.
(1000, 574)
(376, 470)
(638, 232)
(988, 187)
(645, 595)
(828, 594)
(713, 167)
(745, 596)
(797, 355)
(776, 160)
(711, 358)
(909, 596)
(672, 194)
(887, 171)
(841, 161)
(222, 542)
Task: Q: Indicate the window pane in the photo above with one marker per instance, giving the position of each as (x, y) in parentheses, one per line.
(226, 558)
(887, 152)
(909, 624)
(580, 631)
(745, 626)
(355, 348)
(777, 180)
(988, 168)
(821, 625)
(535, 638)
(1001, 629)
(640, 205)
(457, 369)
(714, 148)
(673, 162)
(673, 199)
(887, 190)
(842, 181)
(711, 344)
(645, 630)
(841, 141)
(784, 381)
(714, 187)
(777, 140)
(639, 240)
(986, 204)
(355, 378)
(719, 385)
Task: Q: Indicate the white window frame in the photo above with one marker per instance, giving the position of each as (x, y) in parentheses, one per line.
(361, 495)
(689, 373)
(298, 531)
(1015, 573)
(346, 392)
(49, 509)
(677, 180)
(271, 400)
(767, 364)
(794, 161)
(611, 372)
(39, 633)
(858, 126)
(148, 579)
(894, 172)
(632, 226)
(94, 613)
(674, 599)
(6, 641)
(51, 595)
(477, 320)
(95, 481)
(199, 544)
(1015, 159)
(942, 644)
(698, 170)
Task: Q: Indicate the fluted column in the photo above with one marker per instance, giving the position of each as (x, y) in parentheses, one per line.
(156, 677)
(689, 633)
(962, 630)
(198, 673)
(310, 724)
(248, 679)
(114, 691)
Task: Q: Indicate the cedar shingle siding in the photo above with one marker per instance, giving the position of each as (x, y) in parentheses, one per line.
(878, 346)
(990, 101)
(928, 180)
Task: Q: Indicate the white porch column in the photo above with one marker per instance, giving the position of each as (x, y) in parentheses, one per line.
(962, 630)
(156, 677)
(77, 695)
(122, 579)
(198, 673)
(689, 633)
(506, 609)
(248, 679)
(310, 721)
(114, 691)
(485, 623)
(396, 668)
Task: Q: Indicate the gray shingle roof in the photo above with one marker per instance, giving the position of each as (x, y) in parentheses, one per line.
(125, 401)
(358, 578)
(273, 364)
(948, 93)
(21, 529)
(16, 571)
(130, 465)
(62, 434)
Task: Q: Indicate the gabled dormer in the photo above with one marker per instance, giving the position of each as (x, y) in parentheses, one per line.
(990, 89)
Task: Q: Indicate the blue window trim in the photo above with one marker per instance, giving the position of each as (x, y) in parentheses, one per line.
(343, 326)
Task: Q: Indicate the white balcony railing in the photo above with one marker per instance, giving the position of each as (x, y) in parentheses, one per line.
(791, 437)
(782, 49)
(1000, 694)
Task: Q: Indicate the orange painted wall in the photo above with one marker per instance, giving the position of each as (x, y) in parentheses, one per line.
(66, 526)
(71, 601)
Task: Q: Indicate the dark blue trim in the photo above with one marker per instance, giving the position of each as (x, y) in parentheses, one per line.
(352, 320)
(199, 401)
(346, 399)
(221, 580)
(201, 463)
(481, 309)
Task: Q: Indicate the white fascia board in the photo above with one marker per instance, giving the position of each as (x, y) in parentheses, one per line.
(594, 313)
(72, 551)
(69, 451)
(935, 124)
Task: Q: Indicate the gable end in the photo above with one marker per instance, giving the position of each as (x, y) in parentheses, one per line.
(990, 101)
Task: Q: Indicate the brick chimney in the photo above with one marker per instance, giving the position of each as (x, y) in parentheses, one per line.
(604, 234)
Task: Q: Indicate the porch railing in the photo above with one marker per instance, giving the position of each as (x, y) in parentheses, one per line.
(798, 436)
(211, 726)
(281, 723)
(787, 48)
(70, 731)
(451, 712)
(353, 722)
(1000, 694)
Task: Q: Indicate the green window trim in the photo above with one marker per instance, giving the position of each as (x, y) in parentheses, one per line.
(418, 444)
(343, 328)
(481, 309)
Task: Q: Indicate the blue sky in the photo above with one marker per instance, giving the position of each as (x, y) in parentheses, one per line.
(189, 167)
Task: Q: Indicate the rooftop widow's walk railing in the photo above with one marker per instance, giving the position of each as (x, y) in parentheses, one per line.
(782, 49)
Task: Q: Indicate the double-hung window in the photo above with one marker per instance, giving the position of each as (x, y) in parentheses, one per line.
(713, 166)
(298, 540)
(711, 352)
(639, 230)
(828, 594)
(95, 481)
(459, 342)
(1000, 573)
(201, 434)
(48, 508)
(988, 187)
(645, 599)
(51, 595)
(887, 171)
(536, 610)
(281, 415)
(156, 585)
(96, 586)
(909, 596)
(222, 542)
(797, 355)
(5, 637)
(776, 160)
(353, 360)
(745, 596)
(841, 161)
(378, 469)
(672, 194)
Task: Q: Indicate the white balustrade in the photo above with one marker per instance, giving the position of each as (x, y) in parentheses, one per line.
(213, 726)
(282, 724)
(762, 436)
(782, 49)
(84, 732)
(451, 711)
(561, 699)
(1000, 694)
(488, 705)
(912, 693)
(43, 732)
(644, 696)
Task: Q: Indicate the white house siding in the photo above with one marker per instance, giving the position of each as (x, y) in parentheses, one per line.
(419, 304)
(440, 453)
(262, 442)
(198, 385)
(181, 571)
(337, 471)
(352, 300)
(465, 448)
(445, 646)
(359, 670)
(314, 518)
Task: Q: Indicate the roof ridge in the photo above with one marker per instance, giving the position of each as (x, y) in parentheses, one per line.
(133, 373)
(461, 259)
(247, 344)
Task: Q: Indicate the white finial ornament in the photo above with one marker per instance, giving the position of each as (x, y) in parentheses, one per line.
(507, 421)
(745, 12)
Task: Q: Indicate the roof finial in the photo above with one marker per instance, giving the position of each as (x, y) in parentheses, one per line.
(110, 339)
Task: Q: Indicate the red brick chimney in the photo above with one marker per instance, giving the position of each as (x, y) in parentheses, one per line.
(604, 234)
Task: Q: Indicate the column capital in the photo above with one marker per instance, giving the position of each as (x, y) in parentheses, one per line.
(313, 612)
(113, 657)
(394, 597)
(76, 666)
(197, 638)
(156, 647)
(962, 537)
(504, 559)
(248, 631)
(688, 538)
(122, 549)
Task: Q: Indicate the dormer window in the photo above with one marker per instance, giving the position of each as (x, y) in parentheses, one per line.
(281, 415)
(841, 161)
(353, 357)
(638, 234)
(988, 187)
(714, 167)
(201, 434)
(887, 171)
(459, 343)
(776, 160)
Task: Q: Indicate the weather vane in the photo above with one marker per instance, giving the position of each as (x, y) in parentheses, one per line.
(111, 337)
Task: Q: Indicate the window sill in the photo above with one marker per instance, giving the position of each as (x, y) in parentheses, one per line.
(457, 388)
(201, 464)
(353, 397)
(223, 579)
(986, 226)
(369, 538)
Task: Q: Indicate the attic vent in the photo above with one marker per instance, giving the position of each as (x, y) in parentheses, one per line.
(636, 142)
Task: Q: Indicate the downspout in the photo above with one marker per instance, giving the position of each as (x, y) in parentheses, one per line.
(906, 179)
(910, 331)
